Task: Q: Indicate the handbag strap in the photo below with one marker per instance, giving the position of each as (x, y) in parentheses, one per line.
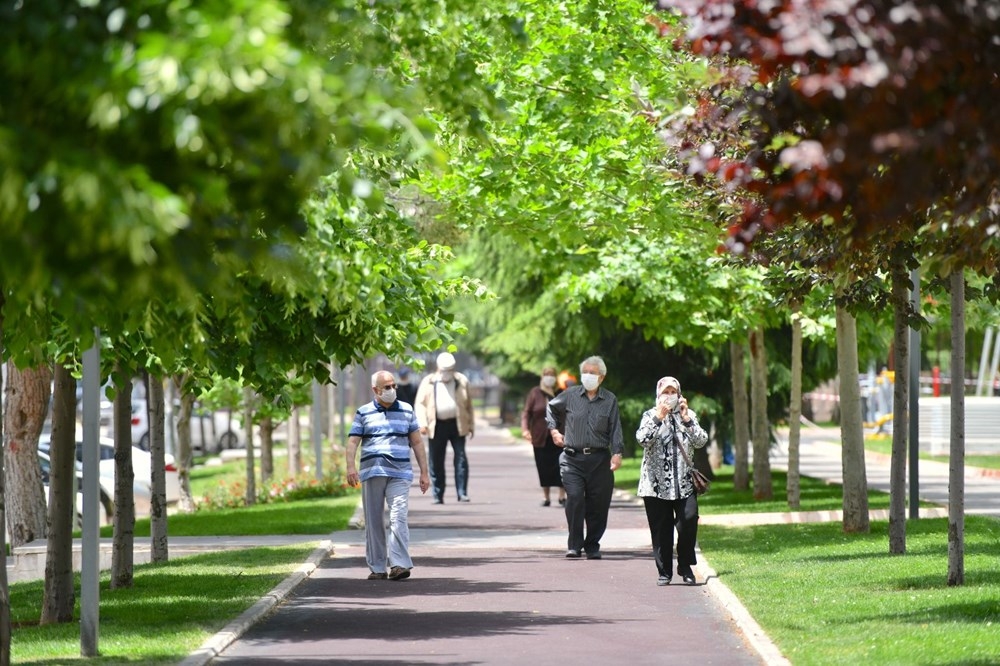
(677, 442)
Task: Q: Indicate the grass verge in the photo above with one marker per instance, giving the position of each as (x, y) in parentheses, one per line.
(173, 608)
(825, 597)
(169, 612)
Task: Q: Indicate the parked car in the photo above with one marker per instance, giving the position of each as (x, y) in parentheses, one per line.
(107, 504)
(211, 431)
(141, 466)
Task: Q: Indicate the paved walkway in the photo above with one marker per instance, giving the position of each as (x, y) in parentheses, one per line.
(491, 585)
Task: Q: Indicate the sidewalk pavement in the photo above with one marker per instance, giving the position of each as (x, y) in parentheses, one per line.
(819, 457)
(491, 585)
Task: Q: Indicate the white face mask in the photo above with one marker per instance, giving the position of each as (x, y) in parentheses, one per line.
(670, 400)
(548, 381)
(590, 381)
(388, 396)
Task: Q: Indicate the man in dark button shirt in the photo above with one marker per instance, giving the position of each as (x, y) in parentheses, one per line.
(592, 451)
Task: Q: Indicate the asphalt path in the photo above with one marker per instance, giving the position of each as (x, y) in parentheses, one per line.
(491, 585)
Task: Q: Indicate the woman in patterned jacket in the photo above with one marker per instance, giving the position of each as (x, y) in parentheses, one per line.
(665, 484)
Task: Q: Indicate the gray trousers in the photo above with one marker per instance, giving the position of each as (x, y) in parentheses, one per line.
(386, 546)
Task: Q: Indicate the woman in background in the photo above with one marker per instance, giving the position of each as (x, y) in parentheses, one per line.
(534, 429)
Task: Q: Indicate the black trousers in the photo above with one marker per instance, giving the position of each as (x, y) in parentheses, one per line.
(663, 516)
(589, 484)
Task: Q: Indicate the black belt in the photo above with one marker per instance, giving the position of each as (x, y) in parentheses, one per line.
(586, 450)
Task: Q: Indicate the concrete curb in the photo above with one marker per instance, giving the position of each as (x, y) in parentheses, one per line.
(755, 635)
(211, 648)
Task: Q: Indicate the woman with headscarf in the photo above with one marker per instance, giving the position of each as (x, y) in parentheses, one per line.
(535, 430)
(668, 434)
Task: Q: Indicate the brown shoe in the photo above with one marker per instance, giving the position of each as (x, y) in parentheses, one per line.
(399, 573)
(375, 575)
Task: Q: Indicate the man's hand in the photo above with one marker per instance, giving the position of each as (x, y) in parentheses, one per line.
(353, 480)
(616, 461)
(425, 482)
(557, 438)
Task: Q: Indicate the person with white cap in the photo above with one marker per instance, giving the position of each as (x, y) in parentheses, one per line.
(444, 412)
(665, 484)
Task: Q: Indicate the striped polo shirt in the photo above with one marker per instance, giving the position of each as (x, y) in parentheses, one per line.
(587, 423)
(385, 439)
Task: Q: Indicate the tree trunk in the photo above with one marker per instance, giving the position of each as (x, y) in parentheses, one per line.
(184, 457)
(59, 597)
(793, 491)
(251, 491)
(741, 416)
(760, 430)
(27, 402)
(294, 444)
(266, 449)
(900, 407)
(851, 426)
(956, 464)
(157, 451)
(5, 626)
(123, 541)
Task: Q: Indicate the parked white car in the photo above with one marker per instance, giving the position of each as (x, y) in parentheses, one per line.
(106, 493)
(142, 487)
(211, 431)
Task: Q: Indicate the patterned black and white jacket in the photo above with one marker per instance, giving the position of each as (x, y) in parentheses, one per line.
(664, 472)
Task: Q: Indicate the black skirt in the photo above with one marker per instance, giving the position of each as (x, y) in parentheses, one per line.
(547, 462)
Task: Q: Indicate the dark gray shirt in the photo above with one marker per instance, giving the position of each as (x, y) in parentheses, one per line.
(585, 422)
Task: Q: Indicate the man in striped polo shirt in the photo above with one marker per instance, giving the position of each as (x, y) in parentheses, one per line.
(592, 451)
(387, 430)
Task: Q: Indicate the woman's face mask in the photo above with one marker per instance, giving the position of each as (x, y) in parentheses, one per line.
(668, 399)
(548, 381)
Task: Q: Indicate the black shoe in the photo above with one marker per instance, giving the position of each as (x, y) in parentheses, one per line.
(438, 500)
(562, 501)
(463, 498)
(596, 555)
(546, 503)
(688, 578)
(572, 553)
(663, 580)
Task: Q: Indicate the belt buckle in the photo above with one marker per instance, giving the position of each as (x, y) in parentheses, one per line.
(587, 450)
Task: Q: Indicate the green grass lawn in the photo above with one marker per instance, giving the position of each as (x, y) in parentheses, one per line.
(173, 608)
(825, 597)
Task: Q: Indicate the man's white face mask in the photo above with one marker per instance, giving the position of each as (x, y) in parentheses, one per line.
(590, 381)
